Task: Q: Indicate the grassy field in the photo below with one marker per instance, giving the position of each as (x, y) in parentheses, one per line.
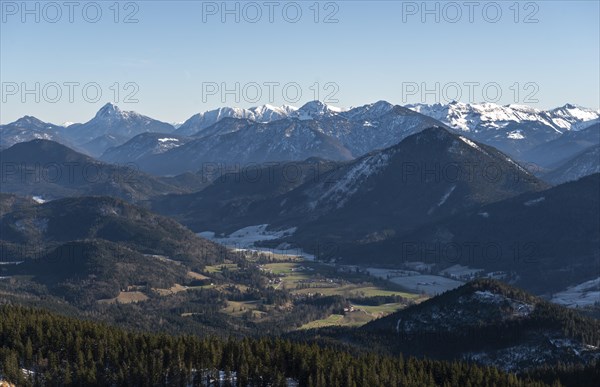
(197, 276)
(361, 315)
(273, 257)
(172, 290)
(312, 278)
(218, 268)
(302, 277)
(334, 319)
(238, 308)
(125, 298)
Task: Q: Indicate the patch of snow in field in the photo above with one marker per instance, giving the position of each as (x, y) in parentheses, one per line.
(429, 284)
(458, 271)
(245, 239)
(384, 273)
(420, 266)
(584, 294)
(248, 236)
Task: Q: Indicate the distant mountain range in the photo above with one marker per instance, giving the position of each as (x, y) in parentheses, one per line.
(266, 113)
(553, 153)
(112, 126)
(314, 130)
(426, 177)
(373, 189)
(585, 163)
(30, 128)
(49, 170)
(269, 133)
(513, 129)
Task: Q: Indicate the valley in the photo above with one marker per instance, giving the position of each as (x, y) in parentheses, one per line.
(300, 194)
(389, 250)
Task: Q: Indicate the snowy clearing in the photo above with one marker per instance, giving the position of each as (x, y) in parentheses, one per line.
(245, 239)
(585, 294)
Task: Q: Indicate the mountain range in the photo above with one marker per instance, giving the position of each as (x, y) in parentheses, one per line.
(320, 219)
(242, 136)
(513, 129)
(385, 191)
(49, 170)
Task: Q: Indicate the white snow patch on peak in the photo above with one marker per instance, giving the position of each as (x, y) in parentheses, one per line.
(315, 109)
(484, 116)
(469, 142)
(38, 199)
(167, 139)
(515, 135)
(519, 167)
(472, 144)
(577, 112)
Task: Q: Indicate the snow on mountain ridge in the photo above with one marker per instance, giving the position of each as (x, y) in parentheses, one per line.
(340, 192)
(483, 116)
(263, 113)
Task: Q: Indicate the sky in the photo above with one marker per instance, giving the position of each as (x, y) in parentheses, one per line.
(170, 60)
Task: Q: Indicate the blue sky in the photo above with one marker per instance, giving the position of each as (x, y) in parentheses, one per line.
(173, 57)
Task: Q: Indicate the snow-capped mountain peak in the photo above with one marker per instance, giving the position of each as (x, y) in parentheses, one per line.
(483, 116)
(263, 113)
(316, 109)
(368, 112)
(108, 110)
(29, 122)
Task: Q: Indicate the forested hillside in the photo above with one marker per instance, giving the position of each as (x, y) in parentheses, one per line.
(38, 347)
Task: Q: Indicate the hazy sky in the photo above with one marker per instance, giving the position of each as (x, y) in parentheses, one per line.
(174, 59)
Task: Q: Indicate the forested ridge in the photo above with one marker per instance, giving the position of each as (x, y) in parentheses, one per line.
(41, 348)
